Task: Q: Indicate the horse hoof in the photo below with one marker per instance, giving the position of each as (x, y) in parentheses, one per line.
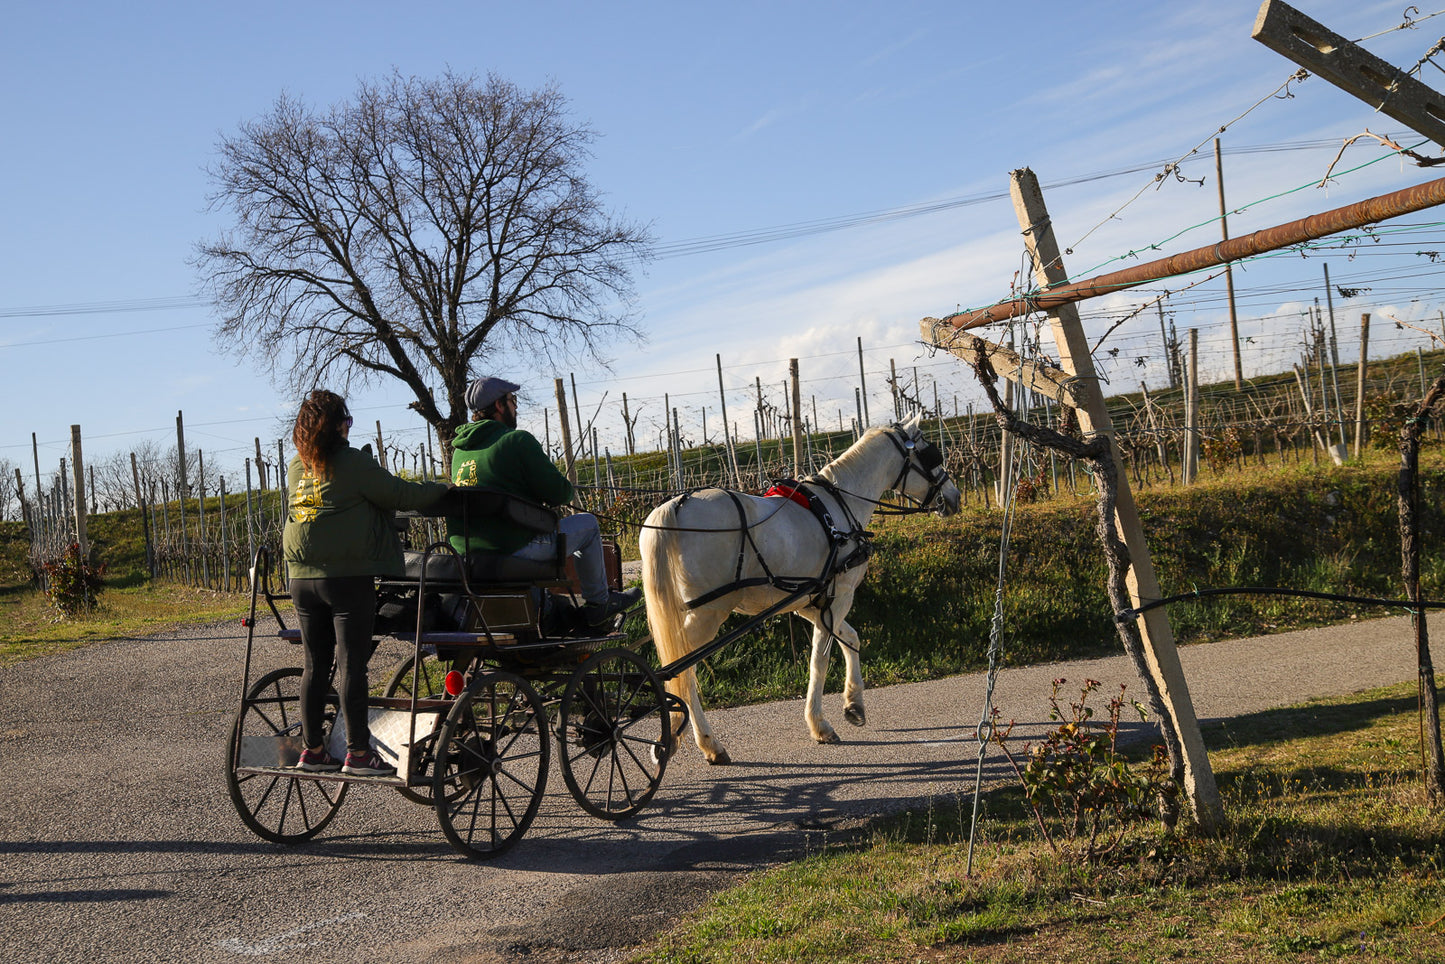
(855, 715)
(720, 759)
(829, 737)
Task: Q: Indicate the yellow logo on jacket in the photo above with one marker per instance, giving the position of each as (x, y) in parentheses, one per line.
(306, 500)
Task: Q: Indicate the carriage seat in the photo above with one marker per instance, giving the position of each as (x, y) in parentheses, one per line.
(484, 567)
(464, 503)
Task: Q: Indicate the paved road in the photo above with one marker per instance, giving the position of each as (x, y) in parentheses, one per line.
(118, 841)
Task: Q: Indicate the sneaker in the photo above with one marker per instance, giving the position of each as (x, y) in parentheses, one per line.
(599, 614)
(368, 764)
(318, 761)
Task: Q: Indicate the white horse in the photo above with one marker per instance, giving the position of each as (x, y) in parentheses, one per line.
(714, 552)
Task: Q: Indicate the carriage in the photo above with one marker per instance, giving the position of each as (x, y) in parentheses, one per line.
(502, 675)
(501, 672)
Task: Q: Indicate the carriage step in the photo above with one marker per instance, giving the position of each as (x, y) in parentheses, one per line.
(332, 777)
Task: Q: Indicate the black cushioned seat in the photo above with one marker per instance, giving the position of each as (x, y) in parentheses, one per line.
(483, 567)
(468, 502)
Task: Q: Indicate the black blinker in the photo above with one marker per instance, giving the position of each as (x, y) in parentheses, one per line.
(928, 455)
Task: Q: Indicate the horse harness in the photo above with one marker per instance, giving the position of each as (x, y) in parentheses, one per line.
(929, 460)
(805, 494)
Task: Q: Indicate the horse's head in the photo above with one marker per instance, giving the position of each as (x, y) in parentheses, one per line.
(923, 478)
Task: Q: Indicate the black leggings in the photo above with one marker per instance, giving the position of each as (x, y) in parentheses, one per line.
(336, 617)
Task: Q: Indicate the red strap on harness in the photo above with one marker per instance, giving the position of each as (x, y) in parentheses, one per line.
(788, 492)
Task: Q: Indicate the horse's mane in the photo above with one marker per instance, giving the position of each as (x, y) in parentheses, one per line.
(845, 464)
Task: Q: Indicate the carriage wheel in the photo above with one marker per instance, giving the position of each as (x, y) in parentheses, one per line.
(491, 764)
(267, 732)
(615, 720)
(430, 685)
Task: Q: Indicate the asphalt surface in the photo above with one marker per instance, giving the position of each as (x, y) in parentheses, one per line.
(119, 843)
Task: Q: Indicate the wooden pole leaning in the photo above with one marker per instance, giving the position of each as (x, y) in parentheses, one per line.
(1143, 585)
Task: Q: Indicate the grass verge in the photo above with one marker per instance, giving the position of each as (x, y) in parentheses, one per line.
(1329, 853)
(29, 628)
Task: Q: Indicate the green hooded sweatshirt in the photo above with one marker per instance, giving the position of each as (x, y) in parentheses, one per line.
(489, 454)
(342, 525)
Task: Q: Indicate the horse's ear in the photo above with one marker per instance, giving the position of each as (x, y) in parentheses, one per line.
(912, 423)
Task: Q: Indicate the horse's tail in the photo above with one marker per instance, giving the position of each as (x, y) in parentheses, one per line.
(665, 613)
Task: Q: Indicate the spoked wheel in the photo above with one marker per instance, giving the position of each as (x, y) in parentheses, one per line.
(616, 739)
(283, 807)
(429, 684)
(491, 765)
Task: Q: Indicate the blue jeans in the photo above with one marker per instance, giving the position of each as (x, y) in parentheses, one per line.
(584, 541)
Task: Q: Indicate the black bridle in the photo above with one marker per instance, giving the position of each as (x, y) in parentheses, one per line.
(923, 457)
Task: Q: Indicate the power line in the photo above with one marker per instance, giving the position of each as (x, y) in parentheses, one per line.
(113, 334)
(720, 242)
(104, 307)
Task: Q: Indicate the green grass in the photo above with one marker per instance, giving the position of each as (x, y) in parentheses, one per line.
(1329, 852)
(30, 628)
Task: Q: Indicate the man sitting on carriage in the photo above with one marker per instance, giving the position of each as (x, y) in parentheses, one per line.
(490, 451)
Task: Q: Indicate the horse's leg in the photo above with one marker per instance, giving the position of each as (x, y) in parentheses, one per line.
(853, 677)
(684, 686)
(821, 729)
(686, 635)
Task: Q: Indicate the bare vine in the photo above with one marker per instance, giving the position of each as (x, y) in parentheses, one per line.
(1095, 452)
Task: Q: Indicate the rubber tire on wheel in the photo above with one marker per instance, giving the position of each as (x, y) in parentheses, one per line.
(432, 686)
(492, 756)
(280, 807)
(616, 743)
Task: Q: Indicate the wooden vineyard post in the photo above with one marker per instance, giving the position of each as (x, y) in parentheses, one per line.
(571, 470)
(732, 452)
(77, 465)
(797, 419)
(1361, 426)
(1158, 636)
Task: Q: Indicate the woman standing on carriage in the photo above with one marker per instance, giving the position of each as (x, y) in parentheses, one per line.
(338, 538)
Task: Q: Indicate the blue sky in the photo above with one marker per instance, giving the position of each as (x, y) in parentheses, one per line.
(716, 121)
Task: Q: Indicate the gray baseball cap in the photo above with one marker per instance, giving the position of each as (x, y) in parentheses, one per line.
(484, 391)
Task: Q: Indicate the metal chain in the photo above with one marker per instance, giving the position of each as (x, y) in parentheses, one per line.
(984, 732)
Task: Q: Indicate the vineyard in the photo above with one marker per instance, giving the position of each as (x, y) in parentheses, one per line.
(1306, 416)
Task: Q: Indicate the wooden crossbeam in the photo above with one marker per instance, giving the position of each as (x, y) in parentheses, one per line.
(1046, 380)
(1351, 68)
(1404, 201)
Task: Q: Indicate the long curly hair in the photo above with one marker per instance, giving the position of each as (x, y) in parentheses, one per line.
(318, 430)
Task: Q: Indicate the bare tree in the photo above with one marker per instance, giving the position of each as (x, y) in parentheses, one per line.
(9, 501)
(413, 232)
(113, 481)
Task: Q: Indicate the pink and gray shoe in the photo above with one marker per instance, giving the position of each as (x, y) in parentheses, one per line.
(318, 761)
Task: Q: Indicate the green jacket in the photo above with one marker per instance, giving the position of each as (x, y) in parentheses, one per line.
(342, 525)
(489, 454)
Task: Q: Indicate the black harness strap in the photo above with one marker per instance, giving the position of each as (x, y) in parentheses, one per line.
(744, 541)
(794, 584)
(930, 458)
